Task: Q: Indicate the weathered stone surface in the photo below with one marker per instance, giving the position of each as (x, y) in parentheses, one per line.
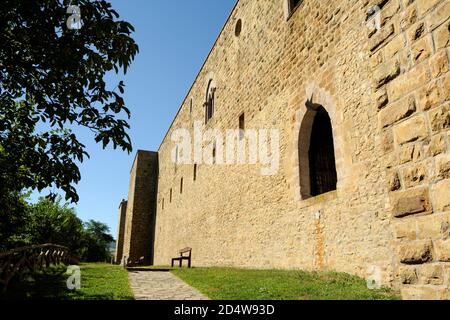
(442, 249)
(430, 96)
(381, 98)
(446, 87)
(442, 36)
(439, 15)
(433, 227)
(410, 202)
(411, 130)
(408, 275)
(421, 50)
(437, 145)
(424, 6)
(394, 183)
(416, 252)
(422, 293)
(381, 37)
(408, 18)
(431, 274)
(387, 141)
(394, 46)
(405, 229)
(443, 166)
(416, 32)
(412, 152)
(440, 118)
(441, 196)
(447, 276)
(408, 82)
(415, 175)
(386, 72)
(397, 111)
(439, 64)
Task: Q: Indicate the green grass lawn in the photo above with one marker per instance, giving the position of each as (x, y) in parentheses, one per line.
(98, 282)
(242, 284)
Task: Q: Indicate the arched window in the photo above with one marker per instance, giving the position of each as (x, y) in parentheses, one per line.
(210, 99)
(316, 153)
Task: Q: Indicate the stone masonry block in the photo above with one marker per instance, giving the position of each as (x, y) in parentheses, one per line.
(408, 82)
(440, 194)
(410, 202)
(431, 274)
(411, 130)
(442, 248)
(424, 6)
(443, 166)
(439, 64)
(439, 15)
(381, 37)
(430, 96)
(408, 275)
(416, 252)
(386, 72)
(437, 145)
(440, 118)
(415, 175)
(405, 229)
(397, 111)
(442, 36)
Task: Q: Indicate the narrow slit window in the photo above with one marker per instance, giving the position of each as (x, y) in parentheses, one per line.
(181, 186)
(210, 101)
(195, 172)
(170, 195)
(241, 126)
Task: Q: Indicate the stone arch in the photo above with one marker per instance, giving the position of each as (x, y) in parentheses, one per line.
(316, 98)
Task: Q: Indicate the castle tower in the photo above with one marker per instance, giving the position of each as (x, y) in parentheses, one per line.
(121, 232)
(141, 209)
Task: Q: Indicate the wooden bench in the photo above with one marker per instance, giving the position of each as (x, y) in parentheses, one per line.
(183, 257)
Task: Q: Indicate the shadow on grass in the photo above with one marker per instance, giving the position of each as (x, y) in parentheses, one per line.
(98, 282)
(47, 284)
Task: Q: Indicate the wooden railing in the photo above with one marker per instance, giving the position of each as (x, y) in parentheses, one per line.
(32, 258)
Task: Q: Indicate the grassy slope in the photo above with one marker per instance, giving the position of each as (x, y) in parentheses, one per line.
(98, 282)
(240, 284)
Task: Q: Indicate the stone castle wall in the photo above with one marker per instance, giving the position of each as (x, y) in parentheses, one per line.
(141, 209)
(121, 232)
(387, 92)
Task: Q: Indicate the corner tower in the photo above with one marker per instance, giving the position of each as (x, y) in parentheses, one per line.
(141, 209)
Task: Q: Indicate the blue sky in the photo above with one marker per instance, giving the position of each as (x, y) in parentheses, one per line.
(175, 38)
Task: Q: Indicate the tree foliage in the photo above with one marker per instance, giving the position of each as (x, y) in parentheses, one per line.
(54, 78)
(52, 221)
(97, 243)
